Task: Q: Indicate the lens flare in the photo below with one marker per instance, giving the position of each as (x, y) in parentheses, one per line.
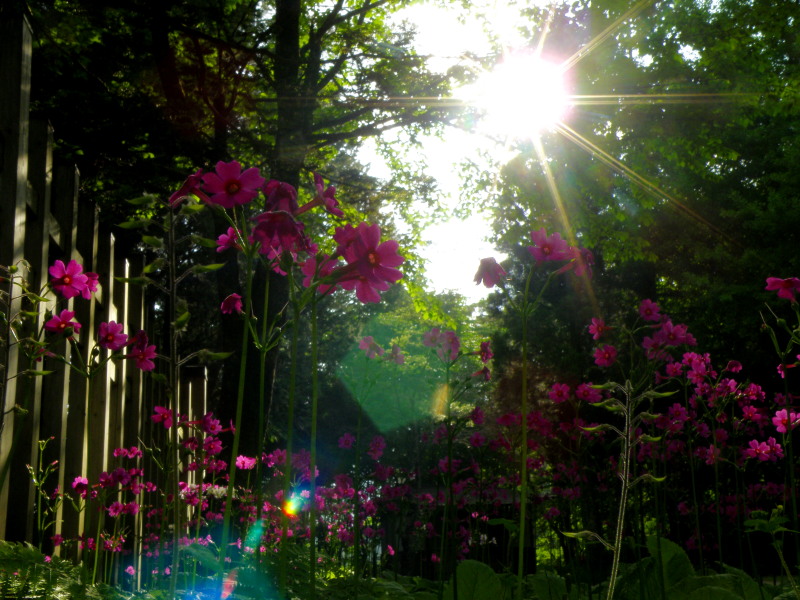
(293, 505)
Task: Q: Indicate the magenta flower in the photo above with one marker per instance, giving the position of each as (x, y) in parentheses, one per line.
(605, 356)
(110, 336)
(489, 272)
(162, 415)
(324, 196)
(396, 355)
(484, 372)
(190, 186)
(376, 447)
(280, 232)
(229, 239)
(69, 280)
(486, 352)
(142, 352)
(370, 347)
(547, 248)
(598, 328)
(245, 463)
(649, 310)
(786, 288)
(280, 196)
(370, 263)
(230, 187)
(785, 420)
(559, 392)
(313, 273)
(63, 323)
(347, 441)
(92, 281)
(587, 393)
(231, 304)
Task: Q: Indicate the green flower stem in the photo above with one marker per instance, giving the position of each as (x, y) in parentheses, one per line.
(287, 475)
(625, 459)
(312, 467)
(262, 372)
(226, 521)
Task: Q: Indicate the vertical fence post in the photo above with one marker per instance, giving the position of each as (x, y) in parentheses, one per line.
(15, 83)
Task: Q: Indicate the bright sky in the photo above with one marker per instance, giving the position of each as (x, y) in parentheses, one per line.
(457, 246)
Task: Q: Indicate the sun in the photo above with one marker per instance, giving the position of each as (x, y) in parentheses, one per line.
(522, 97)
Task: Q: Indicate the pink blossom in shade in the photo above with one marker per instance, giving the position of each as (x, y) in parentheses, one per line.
(486, 352)
(396, 355)
(143, 354)
(347, 441)
(245, 463)
(130, 570)
(370, 347)
(115, 509)
(785, 420)
(376, 447)
(674, 369)
(278, 232)
(69, 280)
(162, 415)
(280, 196)
(229, 239)
(786, 288)
(111, 337)
(63, 323)
(484, 372)
(547, 248)
(509, 420)
(210, 425)
(190, 186)
(649, 310)
(598, 328)
(231, 304)
(477, 416)
(489, 273)
(81, 486)
(559, 392)
(673, 335)
(734, 366)
(229, 186)
(323, 272)
(587, 393)
(92, 282)
(605, 356)
(212, 445)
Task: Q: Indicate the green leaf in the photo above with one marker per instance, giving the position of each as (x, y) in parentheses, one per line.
(675, 564)
(205, 556)
(145, 200)
(182, 320)
(207, 268)
(134, 280)
(154, 266)
(192, 209)
(138, 224)
(206, 355)
(202, 241)
(547, 586)
(476, 581)
(153, 241)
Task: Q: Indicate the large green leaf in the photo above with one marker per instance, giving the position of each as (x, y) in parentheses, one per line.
(476, 581)
(547, 586)
(675, 564)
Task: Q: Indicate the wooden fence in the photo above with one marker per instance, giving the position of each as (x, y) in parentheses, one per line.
(43, 219)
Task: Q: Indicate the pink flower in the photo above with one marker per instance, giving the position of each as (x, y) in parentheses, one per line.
(598, 328)
(370, 347)
(142, 352)
(63, 323)
(477, 440)
(278, 232)
(231, 304)
(245, 463)
(80, 485)
(370, 263)
(92, 281)
(548, 247)
(605, 356)
(477, 416)
(229, 186)
(489, 273)
(313, 272)
(486, 352)
(587, 393)
(162, 415)
(324, 196)
(447, 341)
(396, 355)
(649, 310)
(347, 441)
(110, 336)
(484, 372)
(376, 447)
(130, 570)
(229, 239)
(785, 421)
(280, 196)
(190, 186)
(69, 280)
(559, 392)
(786, 288)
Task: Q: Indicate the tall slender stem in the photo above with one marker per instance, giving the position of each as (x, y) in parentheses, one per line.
(312, 467)
(624, 474)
